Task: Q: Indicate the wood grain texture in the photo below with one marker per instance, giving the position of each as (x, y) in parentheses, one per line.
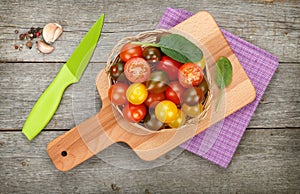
(266, 161)
(102, 130)
(273, 26)
(18, 95)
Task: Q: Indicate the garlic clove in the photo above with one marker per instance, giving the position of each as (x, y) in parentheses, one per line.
(44, 47)
(51, 32)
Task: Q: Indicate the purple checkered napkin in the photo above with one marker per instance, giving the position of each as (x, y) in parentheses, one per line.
(219, 142)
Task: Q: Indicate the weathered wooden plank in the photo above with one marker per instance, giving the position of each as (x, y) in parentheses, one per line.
(272, 26)
(20, 89)
(22, 83)
(266, 161)
(280, 101)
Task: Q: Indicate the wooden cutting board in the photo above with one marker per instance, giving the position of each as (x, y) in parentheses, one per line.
(107, 127)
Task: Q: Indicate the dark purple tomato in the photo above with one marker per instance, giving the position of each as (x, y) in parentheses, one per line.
(116, 70)
(122, 79)
(204, 87)
(151, 122)
(157, 82)
(152, 54)
(192, 96)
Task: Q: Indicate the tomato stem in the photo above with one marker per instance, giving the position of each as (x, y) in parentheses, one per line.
(219, 100)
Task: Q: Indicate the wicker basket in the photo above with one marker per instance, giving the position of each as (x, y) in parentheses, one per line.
(154, 37)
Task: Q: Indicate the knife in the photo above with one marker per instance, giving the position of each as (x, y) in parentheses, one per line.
(70, 73)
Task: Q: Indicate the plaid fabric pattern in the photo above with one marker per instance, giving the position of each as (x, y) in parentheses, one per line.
(219, 142)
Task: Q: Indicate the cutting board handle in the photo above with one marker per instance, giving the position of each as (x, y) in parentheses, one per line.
(79, 144)
(89, 137)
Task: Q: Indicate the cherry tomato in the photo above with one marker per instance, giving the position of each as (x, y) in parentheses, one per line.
(153, 99)
(137, 70)
(136, 93)
(170, 66)
(192, 111)
(152, 54)
(175, 92)
(204, 87)
(122, 79)
(157, 82)
(193, 96)
(117, 93)
(166, 111)
(151, 122)
(134, 113)
(178, 121)
(116, 70)
(130, 50)
(190, 75)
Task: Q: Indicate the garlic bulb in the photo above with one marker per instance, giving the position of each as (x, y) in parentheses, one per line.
(51, 32)
(44, 47)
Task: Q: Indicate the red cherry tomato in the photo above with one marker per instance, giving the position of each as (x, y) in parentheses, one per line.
(134, 113)
(175, 92)
(130, 50)
(170, 66)
(137, 70)
(153, 99)
(117, 93)
(190, 75)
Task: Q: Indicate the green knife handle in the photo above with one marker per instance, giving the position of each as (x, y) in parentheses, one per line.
(47, 104)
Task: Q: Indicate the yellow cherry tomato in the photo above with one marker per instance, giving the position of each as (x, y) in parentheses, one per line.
(192, 111)
(166, 111)
(178, 121)
(136, 93)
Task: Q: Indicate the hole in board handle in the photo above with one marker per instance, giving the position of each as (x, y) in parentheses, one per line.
(64, 153)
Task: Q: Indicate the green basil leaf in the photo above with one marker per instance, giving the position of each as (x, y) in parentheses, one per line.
(180, 49)
(223, 76)
(219, 78)
(177, 56)
(223, 72)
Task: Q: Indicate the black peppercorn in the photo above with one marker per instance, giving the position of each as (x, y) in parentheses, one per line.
(22, 36)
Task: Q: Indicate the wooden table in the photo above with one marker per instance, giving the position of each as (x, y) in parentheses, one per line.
(267, 159)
